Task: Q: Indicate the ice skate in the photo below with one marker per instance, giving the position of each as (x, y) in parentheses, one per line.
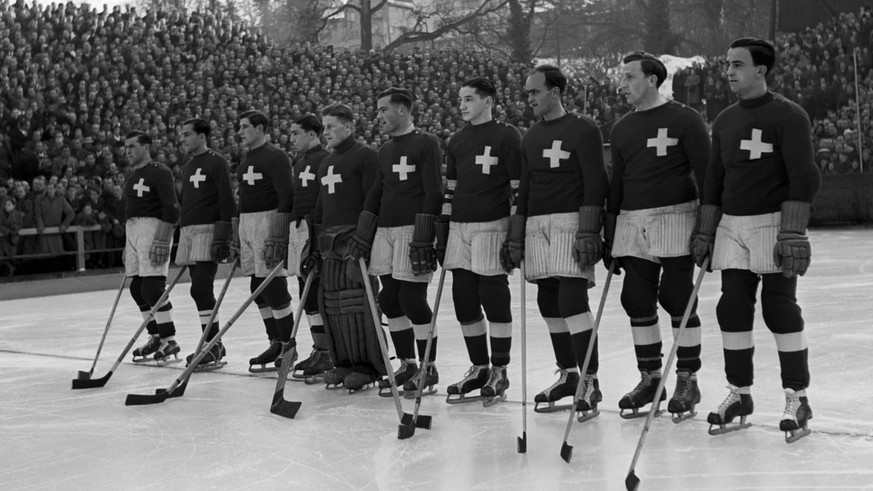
(565, 386)
(212, 360)
(320, 363)
(642, 394)
(431, 378)
(142, 353)
(335, 377)
(685, 397)
(797, 413)
(475, 378)
(495, 390)
(738, 403)
(168, 349)
(297, 371)
(314, 361)
(586, 406)
(408, 368)
(359, 381)
(262, 363)
(286, 347)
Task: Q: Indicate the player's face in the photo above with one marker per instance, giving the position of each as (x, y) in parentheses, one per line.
(472, 105)
(540, 97)
(389, 116)
(248, 134)
(335, 131)
(136, 152)
(301, 140)
(743, 76)
(635, 85)
(191, 140)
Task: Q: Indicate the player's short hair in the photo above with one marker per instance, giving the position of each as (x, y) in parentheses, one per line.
(554, 77)
(340, 111)
(483, 86)
(141, 137)
(397, 95)
(763, 53)
(256, 118)
(200, 126)
(309, 123)
(650, 65)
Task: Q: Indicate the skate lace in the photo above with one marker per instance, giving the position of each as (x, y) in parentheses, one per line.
(732, 398)
(587, 387)
(683, 385)
(494, 377)
(402, 369)
(561, 380)
(645, 381)
(792, 405)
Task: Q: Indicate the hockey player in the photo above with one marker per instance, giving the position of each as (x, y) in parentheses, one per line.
(204, 238)
(151, 210)
(482, 166)
(404, 202)
(345, 176)
(556, 230)
(760, 185)
(659, 156)
(305, 135)
(265, 201)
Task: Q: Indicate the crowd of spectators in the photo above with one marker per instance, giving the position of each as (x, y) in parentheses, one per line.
(75, 80)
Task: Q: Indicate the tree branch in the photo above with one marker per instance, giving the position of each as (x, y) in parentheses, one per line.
(421, 36)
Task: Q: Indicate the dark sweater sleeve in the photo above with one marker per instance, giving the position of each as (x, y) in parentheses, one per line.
(594, 179)
(431, 176)
(283, 179)
(616, 184)
(804, 178)
(226, 203)
(697, 148)
(166, 192)
(374, 195)
(370, 173)
(714, 181)
(523, 188)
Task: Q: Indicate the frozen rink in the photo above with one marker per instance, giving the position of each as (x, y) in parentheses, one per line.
(221, 434)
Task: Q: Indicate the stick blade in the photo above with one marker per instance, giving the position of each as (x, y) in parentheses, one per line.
(566, 452)
(407, 419)
(423, 421)
(405, 431)
(286, 409)
(632, 482)
(521, 443)
(145, 399)
(91, 383)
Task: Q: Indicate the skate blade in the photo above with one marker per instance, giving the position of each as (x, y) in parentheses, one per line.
(314, 379)
(262, 369)
(412, 394)
(492, 400)
(636, 413)
(298, 375)
(164, 362)
(334, 386)
(209, 367)
(551, 408)
(386, 392)
(794, 435)
(363, 388)
(683, 416)
(142, 359)
(729, 427)
(462, 399)
(587, 415)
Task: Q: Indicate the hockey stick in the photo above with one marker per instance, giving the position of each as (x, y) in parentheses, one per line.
(632, 482)
(214, 313)
(177, 388)
(567, 449)
(383, 343)
(409, 422)
(279, 405)
(521, 444)
(100, 382)
(87, 375)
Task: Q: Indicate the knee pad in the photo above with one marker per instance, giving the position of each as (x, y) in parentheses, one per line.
(413, 302)
(310, 303)
(779, 304)
(276, 293)
(202, 278)
(389, 297)
(736, 307)
(136, 291)
(152, 288)
(547, 297)
(573, 296)
(465, 296)
(495, 297)
(677, 283)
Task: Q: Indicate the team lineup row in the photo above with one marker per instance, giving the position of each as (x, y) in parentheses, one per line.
(737, 201)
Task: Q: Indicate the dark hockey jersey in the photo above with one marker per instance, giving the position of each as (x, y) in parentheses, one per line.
(265, 180)
(345, 177)
(761, 156)
(150, 192)
(408, 180)
(659, 158)
(207, 196)
(306, 183)
(481, 163)
(562, 167)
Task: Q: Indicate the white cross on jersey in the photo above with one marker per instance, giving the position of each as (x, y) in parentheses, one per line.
(306, 176)
(662, 142)
(555, 154)
(141, 188)
(197, 178)
(331, 180)
(755, 146)
(251, 176)
(486, 160)
(403, 169)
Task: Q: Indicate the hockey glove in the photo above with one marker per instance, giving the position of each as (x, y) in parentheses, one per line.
(703, 238)
(159, 252)
(512, 252)
(220, 248)
(310, 259)
(421, 250)
(234, 240)
(276, 244)
(362, 241)
(442, 237)
(588, 248)
(608, 239)
(793, 252)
